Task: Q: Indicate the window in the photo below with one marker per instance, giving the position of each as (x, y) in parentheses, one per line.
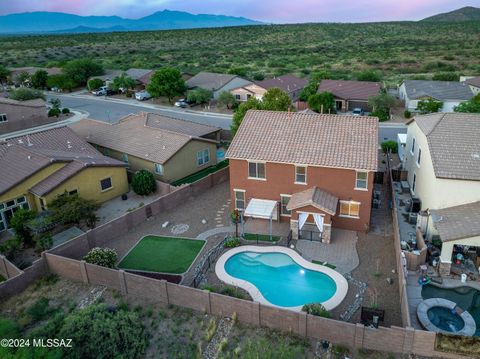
(349, 209)
(248, 96)
(239, 199)
(284, 199)
(203, 157)
(106, 184)
(301, 174)
(42, 204)
(73, 192)
(419, 156)
(3, 117)
(414, 182)
(361, 181)
(158, 169)
(237, 97)
(412, 150)
(256, 170)
(125, 158)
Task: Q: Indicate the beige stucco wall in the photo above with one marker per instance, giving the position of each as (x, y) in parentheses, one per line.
(254, 90)
(435, 193)
(475, 89)
(87, 183)
(182, 164)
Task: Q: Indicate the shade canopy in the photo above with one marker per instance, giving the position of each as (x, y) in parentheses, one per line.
(260, 208)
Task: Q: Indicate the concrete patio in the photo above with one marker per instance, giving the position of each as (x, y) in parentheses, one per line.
(341, 251)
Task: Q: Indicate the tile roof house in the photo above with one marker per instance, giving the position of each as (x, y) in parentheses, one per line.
(38, 167)
(291, 84)
(474, 83)
(168, 147)
(350, 94)
(217, 83)
(451, 93)
(21, 115)
(442, 157)
(317, 170)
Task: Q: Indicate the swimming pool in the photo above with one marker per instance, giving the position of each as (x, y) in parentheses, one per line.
(280, 277)
(466, 298)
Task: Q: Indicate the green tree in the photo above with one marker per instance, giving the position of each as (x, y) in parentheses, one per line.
(22, 78)
(19, 223)
(369, 75)
(72, 209)
(322, 102)
(167, 82)
(122, 82)
(105, 257)
(94, 84)
(60, 81)
(25, 94)
(429, 106)
(389, 146)
(470, 106)
(226, 99)
(313, 84)
(251, 104)
(39, 79)
(143, 183)
(199, 96)
(79, 71)
(276, 100)
(4, 73)
(382, 101)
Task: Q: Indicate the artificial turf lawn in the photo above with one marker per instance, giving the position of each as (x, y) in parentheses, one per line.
(162, 254)
(200, 174)
(260, 237)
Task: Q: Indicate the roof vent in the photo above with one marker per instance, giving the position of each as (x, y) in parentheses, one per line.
(20, 141)
(29, 157)
(476, 156)
(69, 147)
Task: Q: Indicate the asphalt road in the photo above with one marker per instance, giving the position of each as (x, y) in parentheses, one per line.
(112, 110)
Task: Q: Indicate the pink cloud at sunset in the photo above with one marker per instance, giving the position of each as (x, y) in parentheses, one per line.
(277, 11)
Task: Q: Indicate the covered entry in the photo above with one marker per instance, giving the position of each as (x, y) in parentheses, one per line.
(262, 209)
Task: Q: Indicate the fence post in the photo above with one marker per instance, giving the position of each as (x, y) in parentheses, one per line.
(83, 272)
(256, 313)
(123, 284)
(409, 339)
(208, 308)
(165, 288)
(359, 335)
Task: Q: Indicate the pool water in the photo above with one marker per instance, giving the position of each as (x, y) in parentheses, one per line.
(444, 319)
(281, 280)
(466, 298)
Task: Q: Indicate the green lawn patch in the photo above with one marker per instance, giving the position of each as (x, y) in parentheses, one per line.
(162, 254)
(326, 264)
(260, 237)
(200, 174)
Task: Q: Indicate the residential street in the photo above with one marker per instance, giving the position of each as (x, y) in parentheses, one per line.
(111, 110)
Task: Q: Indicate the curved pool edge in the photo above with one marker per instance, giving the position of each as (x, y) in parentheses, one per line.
(332, 303)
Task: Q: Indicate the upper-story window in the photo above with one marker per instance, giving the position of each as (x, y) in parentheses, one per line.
(238, 97)
(203, 157)
(106, 184)
(419, 156)
(256, 170)
(239, 199)
(361, 182)
(301, 174)
(412, 150)
(3, 117)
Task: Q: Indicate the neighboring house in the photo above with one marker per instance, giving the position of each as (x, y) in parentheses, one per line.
(474, 83)
(15, 71)
(351, 94)
(39, 167)
(305, 169)
(168, 147)
(401, 145)
(21, 115)
(291, 84)
(217, 83)
(443, 162)
(142, 76)
(108, 76)
(243, 93)
(451, 93)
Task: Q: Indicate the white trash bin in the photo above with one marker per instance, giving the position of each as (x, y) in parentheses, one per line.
(464, 277)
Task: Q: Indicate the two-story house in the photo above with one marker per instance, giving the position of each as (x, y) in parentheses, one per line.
(442, 157)
(305, 168)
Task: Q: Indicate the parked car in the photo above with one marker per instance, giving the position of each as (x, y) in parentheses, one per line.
(358, 112)
(102, 91)
(142, 95)
(182, 103)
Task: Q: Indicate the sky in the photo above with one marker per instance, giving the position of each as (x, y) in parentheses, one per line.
(275, 11)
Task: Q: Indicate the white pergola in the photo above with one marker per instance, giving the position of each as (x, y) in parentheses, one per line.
(261, 208)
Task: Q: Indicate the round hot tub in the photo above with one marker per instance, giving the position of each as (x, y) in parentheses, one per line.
(443, 316)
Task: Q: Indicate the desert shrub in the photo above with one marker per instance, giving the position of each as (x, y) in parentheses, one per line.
(39, 310)
(105, 257)
(369, 75)
(316, 309)
(10, 247)
(446, 76)
(72, 209)
(263, 348)
(43, 241)
(383, 114)
(54, 112)
(65, 110)
(25, 94)
(389, 146)
(407, 114)
(143, 183)
(19, 223)
(94, 84)
(232, 242)
(102, 333)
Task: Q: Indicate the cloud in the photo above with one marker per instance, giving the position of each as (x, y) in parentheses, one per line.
(281, 11)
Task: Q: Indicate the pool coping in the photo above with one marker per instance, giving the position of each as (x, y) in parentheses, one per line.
(340, 281)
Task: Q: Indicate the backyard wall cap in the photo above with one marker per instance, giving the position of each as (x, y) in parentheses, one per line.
(340, 281)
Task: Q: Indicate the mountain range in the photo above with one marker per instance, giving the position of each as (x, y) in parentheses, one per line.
(57, 22)
(468, 13)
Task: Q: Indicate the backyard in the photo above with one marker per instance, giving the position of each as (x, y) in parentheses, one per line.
(162, 254)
